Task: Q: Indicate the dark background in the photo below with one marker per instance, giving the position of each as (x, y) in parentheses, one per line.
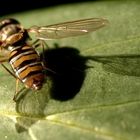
(14, 6)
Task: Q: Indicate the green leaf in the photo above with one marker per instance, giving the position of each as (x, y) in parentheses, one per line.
(95, 93)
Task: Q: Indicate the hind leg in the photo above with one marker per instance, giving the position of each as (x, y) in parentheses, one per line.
(17, 91)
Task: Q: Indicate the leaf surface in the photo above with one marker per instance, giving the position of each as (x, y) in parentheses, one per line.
(95, 93)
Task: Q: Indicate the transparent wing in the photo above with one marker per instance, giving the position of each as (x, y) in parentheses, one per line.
(68, 29)
(4, 55)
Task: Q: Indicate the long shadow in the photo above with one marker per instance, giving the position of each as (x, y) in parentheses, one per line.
(69, 71)
(125, 64)
(68, 74)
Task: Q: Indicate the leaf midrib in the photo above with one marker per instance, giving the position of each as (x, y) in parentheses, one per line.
(86, 108)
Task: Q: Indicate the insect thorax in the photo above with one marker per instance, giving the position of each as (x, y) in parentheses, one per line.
(12, 33)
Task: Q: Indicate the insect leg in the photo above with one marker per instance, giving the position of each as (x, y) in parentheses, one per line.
(42, 44)
(17, 91)
(17, 82)
(3, 59)
(11, 73)
(36, 43)
(43, 50)
(4, 55)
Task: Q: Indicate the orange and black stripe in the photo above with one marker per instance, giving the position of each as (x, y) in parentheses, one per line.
(25, 62)
(23, 58)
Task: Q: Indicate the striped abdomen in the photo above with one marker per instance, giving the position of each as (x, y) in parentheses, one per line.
(27, 66)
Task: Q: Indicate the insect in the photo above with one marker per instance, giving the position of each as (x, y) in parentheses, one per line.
(27, 67)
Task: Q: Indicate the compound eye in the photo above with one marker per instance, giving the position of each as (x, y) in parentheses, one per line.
(8, 21)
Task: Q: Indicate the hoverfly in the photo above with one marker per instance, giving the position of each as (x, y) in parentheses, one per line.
(25, 61)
